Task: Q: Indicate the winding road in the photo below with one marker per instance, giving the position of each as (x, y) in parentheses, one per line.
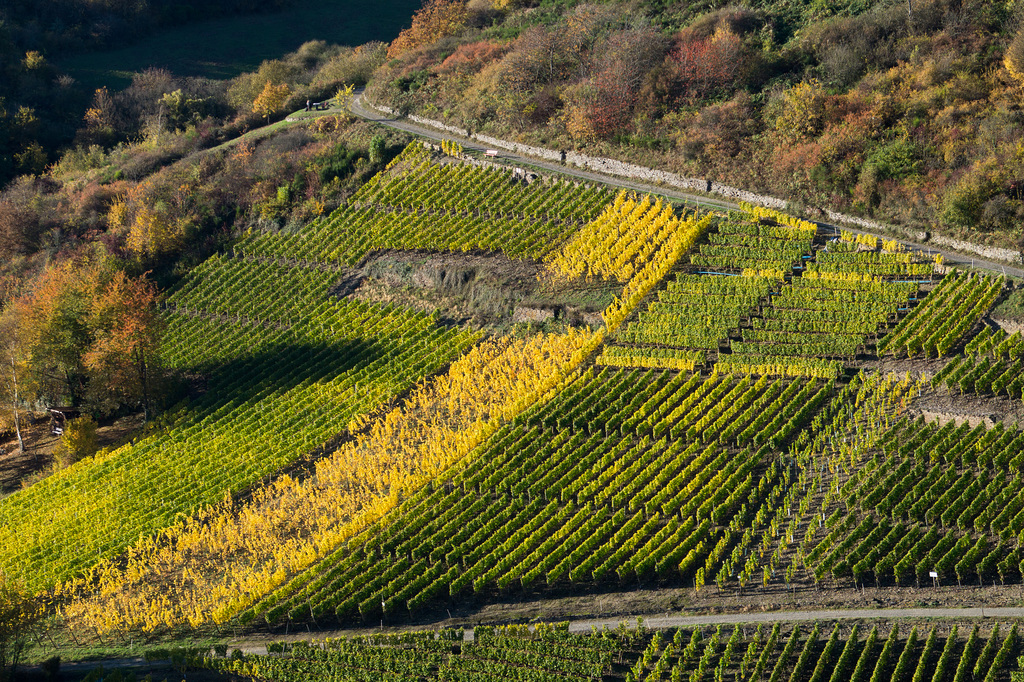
(365, 111)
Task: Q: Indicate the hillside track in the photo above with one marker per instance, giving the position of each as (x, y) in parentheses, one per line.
(667, 621)
(663, 621)
(365, 111)
(258, 646)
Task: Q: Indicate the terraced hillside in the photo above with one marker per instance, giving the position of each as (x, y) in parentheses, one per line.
(734, 425)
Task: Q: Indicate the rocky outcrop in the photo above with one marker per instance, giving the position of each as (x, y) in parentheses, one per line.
(523, 313)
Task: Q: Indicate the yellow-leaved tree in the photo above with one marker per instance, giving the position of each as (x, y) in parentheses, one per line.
(1013, 60)
(803, 110)
(152, 232)
(271, 99)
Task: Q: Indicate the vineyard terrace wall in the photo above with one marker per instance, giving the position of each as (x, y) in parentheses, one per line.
(660, 177)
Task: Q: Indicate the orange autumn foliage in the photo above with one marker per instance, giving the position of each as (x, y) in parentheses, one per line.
(435, 20)
(126, 333)
(88, 332)
(468, 59)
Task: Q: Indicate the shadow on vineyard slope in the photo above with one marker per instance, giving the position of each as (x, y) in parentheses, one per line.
(280, 368)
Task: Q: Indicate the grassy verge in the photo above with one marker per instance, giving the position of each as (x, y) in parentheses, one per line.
(84, 646)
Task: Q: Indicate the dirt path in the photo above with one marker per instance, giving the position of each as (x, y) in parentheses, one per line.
(659, 622)
(78, 669)
(663, 621)
(364, 111)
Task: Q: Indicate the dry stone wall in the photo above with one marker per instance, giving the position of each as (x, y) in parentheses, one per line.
(651, 175)
(987, 252)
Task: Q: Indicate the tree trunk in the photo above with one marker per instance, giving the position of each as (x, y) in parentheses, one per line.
(17, 415)
(144, 381)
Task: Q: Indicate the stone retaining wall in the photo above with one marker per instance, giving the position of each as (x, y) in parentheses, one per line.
(743, 195)
(988, 252)
(515, 147)
(651, 175)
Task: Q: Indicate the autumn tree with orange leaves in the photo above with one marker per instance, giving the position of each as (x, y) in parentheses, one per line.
(708, 64)
(54, 333)
(126, 330)
(435, 20)
(84, 334)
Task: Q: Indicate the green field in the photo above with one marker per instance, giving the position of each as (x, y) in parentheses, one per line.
(226, 47)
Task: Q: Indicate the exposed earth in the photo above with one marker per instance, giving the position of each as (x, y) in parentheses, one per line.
(476, 288)
(21, 469)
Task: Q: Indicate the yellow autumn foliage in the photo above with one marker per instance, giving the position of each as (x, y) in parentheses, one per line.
(635, 241)
(617, 243)
(212, 566)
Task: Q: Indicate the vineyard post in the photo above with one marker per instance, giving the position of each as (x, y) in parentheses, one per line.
(50, 637)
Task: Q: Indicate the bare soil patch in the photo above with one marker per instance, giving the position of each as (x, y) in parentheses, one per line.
(18, 470)
(480, 289)
(16, 466)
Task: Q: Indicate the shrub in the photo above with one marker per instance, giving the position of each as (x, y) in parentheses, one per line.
(352, 67)
(78, 441)
(1013, 60)
(963, 205)
(470, 58)
(895, 160)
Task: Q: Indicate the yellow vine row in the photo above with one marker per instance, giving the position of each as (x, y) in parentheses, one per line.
(213, 565)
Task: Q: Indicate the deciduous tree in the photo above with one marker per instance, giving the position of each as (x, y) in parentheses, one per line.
(271, 99)
(53, 318)
(85, 333)
(152, 232)
(708, 64)
(19, 229)
(14, 372)
(126, 331)
(803, 111)
(435, 20)
(1013, 60)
